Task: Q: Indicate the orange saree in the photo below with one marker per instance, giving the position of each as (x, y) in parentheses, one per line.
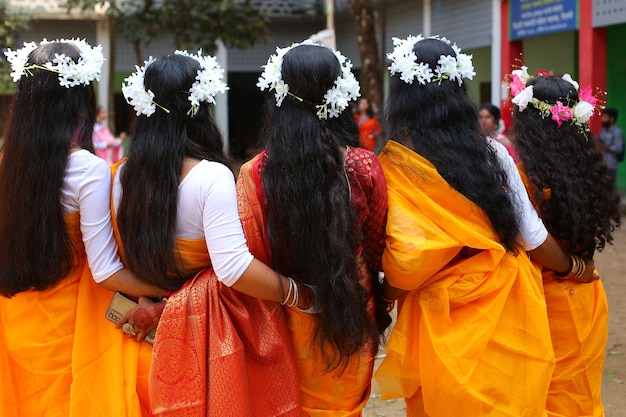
(472, 336)
(218, 352)
(58, 354)
(578, 316)
(323, 393)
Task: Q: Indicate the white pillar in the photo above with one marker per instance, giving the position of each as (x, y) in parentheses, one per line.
(496, 52)
(221, 100)
(426, 19)
(103, 38)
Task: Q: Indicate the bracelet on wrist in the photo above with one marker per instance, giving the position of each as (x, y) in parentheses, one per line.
(292, 294)
(577, 268)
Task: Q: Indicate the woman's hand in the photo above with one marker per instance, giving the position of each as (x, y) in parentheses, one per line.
(141, 320)
(589, 275)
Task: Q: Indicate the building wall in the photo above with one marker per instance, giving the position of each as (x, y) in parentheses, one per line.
(556, 52)
(466, 22)
(480, 87)
(449, 18)
(53, 29)
(38, 6)
(283, 33)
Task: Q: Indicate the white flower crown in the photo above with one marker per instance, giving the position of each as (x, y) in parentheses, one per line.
(560, 112)
(208, 83)
(405, 62)
(87, 69)
(336, 99)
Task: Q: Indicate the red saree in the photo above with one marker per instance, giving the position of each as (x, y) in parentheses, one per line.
(326, 393)
(218, 352)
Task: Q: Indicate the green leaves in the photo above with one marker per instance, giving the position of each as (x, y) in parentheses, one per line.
(12, 25)
(193, 23)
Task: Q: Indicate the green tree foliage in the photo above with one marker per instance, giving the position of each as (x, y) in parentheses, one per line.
(202, 22)
(12, 25)
(193, 23)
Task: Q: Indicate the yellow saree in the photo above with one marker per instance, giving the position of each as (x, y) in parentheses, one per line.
(59, 356)
(578, 316)
(472, 336)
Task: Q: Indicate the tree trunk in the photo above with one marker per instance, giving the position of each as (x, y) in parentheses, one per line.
(371, 77)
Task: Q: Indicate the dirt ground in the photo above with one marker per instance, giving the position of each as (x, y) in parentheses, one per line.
(612, 266)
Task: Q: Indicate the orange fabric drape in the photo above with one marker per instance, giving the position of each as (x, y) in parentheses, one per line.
(323, 393)
(218, 352)
(578, 316)
(472, 336)
(59, 356)
(369, 131)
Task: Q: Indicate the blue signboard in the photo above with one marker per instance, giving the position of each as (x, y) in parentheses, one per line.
(541, 17)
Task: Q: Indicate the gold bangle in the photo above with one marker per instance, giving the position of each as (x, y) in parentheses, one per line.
(578, 268)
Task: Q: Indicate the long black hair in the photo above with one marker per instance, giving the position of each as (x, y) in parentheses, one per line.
(439, 121)
(150, 177)
(45, 121)
(311, 222)
(583, 207)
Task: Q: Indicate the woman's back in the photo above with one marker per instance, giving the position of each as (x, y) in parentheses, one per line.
(56, 219)
(473, 319)
(306, 182)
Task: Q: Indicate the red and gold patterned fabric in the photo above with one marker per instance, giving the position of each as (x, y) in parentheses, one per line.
(326, 393)
(472, 336)
(578, 316)
(218, 352)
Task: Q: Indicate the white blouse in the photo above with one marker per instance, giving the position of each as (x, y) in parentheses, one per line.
(532, 230)
(207, 208)
(86, 189)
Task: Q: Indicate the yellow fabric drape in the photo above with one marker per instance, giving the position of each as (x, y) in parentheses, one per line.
(578, 317)
(324, 394)
(59, 356)
(472, 336)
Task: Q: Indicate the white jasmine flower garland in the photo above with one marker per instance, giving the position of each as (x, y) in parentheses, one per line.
(208, 83)
(337, 98)
(87, 69)
(134, 92)
(405, 62)
(560, 112)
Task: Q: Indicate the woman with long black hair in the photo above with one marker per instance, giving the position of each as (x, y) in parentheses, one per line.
(218, 350)
(313, 205)
(573, 191)
(472, 336)
(59, 262)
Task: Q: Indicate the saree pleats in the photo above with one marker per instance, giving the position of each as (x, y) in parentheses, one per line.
(472, 336)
